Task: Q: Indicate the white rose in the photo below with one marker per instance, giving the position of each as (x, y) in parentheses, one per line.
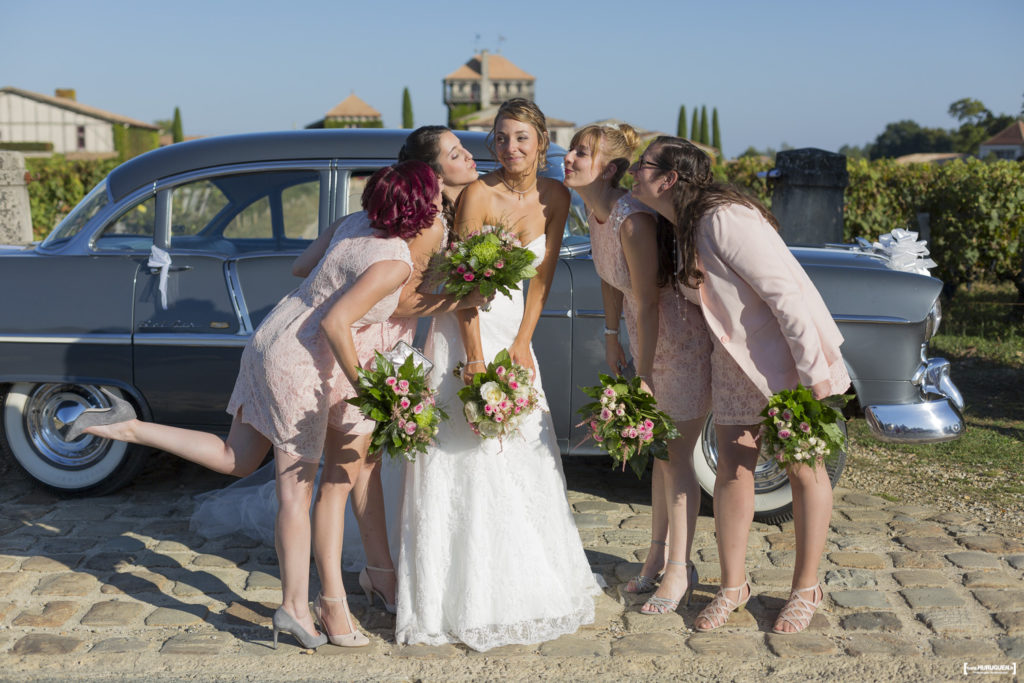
(472, 411)
(489, 429)
(491, 392)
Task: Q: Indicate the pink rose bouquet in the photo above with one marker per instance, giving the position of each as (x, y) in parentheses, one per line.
(491, 260)
(799, 429)
(499, 398)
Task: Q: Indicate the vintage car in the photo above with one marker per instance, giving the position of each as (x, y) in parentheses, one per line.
(86, 309)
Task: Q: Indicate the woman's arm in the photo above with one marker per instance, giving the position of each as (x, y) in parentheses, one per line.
(613, 353)
(470, 215)
(307, 260)
(379, 280)
(556, 209)
(638, 236)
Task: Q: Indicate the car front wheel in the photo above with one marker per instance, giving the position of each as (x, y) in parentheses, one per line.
(33, 435)
(773, 496)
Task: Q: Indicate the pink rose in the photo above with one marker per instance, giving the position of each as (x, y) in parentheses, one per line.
(501, 370)
(787, 415)
(468, 277)
(403, 386)
(488, 409)
(619, 411)
(499, 264)
(785, 433)
(461, 269)
(518, 410)
(410, 427)
(772, 412)
(632, 432)
(606, 414)
(391, 381)
(609, 392)
(405, 403)
(418, 409)
(498, 417)
(805, 428)
(648, 425)
(598, 438)
(488, 273)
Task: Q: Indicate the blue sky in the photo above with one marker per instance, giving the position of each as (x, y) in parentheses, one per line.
(818, 74)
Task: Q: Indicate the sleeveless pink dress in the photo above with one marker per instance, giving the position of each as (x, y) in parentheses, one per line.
(290, 387)
(681, 373)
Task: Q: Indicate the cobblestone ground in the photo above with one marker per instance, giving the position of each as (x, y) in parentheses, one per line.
(118, 587)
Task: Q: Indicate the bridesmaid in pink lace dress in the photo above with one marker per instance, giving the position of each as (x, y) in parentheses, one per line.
(667, 336)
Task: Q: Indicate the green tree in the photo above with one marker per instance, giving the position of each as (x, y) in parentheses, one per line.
(909, 137)
(704, 137)
(177, 133)
(716, 134)
(694, 129)
(681, 125)
(977, 124)
(406, 109)
(164, 125)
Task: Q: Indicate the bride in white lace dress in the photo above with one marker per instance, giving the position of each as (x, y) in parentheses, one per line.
(489, 553)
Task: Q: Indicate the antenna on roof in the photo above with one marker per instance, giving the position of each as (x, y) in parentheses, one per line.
(476, 43)
(501, 39)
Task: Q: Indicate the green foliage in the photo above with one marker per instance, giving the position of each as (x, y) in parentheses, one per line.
(797, 428)
(457, 111)
(55, 185)
(177, 132)
(27, 146)
(681, 125)
(351, 123)
(704, 137)
(407, 121)
(743, 172)
(909, 137)
(695, 126)
(716, 134)
(976, 212)
(131, 142)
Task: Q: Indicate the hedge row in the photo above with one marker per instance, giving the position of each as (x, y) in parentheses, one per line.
(56, 184)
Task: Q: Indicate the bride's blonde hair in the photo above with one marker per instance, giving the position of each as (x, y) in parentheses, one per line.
(615, 142)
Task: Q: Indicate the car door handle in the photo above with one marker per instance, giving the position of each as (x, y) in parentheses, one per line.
(170, 269)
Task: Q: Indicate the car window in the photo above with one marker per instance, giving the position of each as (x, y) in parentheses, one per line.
(79, 216)
(356, 185)
(131, 230)
(261, 211)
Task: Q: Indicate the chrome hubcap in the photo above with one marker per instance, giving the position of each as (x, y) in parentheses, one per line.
(49, 411)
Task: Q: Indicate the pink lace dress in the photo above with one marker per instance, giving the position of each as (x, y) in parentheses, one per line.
(681, 372)
(289, 386)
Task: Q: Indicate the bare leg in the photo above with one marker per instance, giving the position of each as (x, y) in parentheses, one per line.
(239, 455)
(344, 458)
(368, 506)
(654, 563)
(681, 494)
(292, 534)
(812, 510)
(734, 505)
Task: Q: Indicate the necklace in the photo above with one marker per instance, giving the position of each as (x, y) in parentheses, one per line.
(512, 189)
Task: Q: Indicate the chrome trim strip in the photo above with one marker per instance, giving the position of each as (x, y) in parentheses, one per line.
(89, 338)
(237, 297)
(880, 319)
(590, 313)
(556, 313)
(191, 340)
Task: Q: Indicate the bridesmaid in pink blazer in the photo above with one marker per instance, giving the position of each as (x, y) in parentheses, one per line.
(770, 330)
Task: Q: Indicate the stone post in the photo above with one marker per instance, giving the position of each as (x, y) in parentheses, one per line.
(808, 195)
(15, 215)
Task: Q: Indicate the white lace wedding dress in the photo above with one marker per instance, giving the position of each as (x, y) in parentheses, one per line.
(489, 553)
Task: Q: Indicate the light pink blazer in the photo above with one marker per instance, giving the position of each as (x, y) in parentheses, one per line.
(758, 301)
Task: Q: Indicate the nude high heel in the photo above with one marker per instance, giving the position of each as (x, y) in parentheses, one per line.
(367, 585)
(351, 639)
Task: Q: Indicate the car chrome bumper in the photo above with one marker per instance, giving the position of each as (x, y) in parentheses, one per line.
(938, 418)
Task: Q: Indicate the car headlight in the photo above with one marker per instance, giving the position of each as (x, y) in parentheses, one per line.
(931, 322)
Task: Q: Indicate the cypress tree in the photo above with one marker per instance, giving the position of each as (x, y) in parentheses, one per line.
(704, 137)
(681, 126)
(177, 133)
(406, 109)
(693, 126)
(716, 139)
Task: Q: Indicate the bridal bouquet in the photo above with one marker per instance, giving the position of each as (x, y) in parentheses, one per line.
(625, 421)
(498, 398)
(399, 400)
(491, 260)
(798, 428)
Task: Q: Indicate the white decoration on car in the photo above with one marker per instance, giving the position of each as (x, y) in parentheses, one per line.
(905, 252)
(158, 258)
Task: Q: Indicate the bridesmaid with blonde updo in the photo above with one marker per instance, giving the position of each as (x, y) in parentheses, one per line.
(666, 334)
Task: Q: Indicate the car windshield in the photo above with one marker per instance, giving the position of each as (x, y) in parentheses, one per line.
(79, 216)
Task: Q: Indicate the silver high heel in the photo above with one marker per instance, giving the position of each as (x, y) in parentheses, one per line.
(351, 639)
(645, 584)
(283, 621)
(120, 410)
(659, 605)
(367, 585)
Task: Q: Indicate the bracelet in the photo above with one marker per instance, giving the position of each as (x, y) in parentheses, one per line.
(609, 331)
(474, 362)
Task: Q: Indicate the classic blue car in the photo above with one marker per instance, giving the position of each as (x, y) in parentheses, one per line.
(84, 308)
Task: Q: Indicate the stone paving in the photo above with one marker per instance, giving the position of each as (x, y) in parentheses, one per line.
(119, 587)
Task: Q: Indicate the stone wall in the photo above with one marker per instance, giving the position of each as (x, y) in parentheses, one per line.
(15, 214)
(808, 195)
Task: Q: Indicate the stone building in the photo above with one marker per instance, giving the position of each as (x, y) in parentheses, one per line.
(1006, 144)
(351, 112)
(483, 82)
(60, 124)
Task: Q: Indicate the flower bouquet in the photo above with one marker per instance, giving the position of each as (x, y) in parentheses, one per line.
(401, 403)
(798, 428)
(498, 398)
(625, 422)
(491, 260)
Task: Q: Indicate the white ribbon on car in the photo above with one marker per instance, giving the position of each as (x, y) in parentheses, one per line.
(158, 258)
(905, 252)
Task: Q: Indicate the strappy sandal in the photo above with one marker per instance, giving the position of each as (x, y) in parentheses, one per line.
(798, 610)
(721, 606)
(659, 605)
(645, 584)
